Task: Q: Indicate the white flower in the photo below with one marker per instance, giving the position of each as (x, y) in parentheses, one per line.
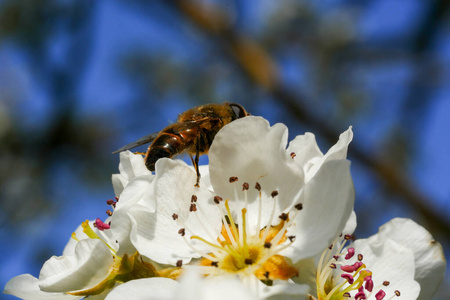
(401, 262)
(90, 265)
(260, 216)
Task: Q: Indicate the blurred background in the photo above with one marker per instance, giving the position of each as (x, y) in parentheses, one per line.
(78, 79)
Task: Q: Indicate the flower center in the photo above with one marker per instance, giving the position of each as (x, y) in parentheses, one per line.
(240, 251)
(338, 279)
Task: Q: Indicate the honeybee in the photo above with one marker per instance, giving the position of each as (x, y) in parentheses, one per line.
(193, 132)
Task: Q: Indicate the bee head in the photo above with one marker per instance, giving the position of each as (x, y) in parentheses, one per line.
(238, 110)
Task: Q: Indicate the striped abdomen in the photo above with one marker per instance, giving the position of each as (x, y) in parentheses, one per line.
(167, 144)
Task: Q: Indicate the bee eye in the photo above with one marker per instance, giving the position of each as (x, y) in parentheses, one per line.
(238, 110)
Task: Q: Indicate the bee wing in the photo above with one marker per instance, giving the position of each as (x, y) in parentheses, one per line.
(143, 140)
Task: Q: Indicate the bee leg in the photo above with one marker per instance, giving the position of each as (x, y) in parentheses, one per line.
(141, 153)
(195, 161)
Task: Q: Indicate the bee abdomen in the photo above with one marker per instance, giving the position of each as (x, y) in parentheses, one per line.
(166, 145)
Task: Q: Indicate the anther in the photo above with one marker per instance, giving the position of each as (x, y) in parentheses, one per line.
(266, 274)
(245, 186)
(274, 194)
(109, 212)
(233, 179)
(348, 277)
(258, 186)
(217, 199)
(174, 216)
(350, 253)
(110, 201)
(193, 199)
(336, 257)
(215, 264)
(182, 231)
(380, 295)
(291, 238)
(330, 247)
(100, 225)
(360, 257)
(397, 293)
(248, 261)
(333, 266)
(386, 283)
(267, 245)
(283, 216)
(346, 295)
(348, 237)
(369, 283)
(193, 207)
(299, 206)
(179, 263)
(293, 155)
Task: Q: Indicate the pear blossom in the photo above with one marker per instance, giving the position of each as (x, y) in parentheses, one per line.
(90, 266)
(257, 217)
(401, 261)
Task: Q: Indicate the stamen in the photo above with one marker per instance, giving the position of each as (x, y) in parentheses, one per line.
(193, 198)
(100, 225)
(174, 216)
(233, 179)
(380, 295)
(245, 186)
(179, 263)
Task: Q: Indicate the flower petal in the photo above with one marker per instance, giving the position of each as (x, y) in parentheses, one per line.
(131, 165)
(428, 254)
(141, 289)
(155, 235)
(253, 151)
(305, 149)
(336, 152)
(88, 267)
(328, 203)
(392, 262)
(26, 287)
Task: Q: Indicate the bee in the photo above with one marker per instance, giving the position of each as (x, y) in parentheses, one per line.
(193, 132)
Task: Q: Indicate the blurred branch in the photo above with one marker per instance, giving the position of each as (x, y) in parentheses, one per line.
(258, 66)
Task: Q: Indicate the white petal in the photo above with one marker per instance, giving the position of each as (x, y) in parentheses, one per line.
(337, 152)
(156, 235)
(428, 254)
(88, 267)
(328, 203)
(130, 166)
(193, 286)
(143, 289)
(350, 226)
(137, 192)
(26, 287)
(283, 290)
(305, 148)
(389, 261)
(253, 151)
